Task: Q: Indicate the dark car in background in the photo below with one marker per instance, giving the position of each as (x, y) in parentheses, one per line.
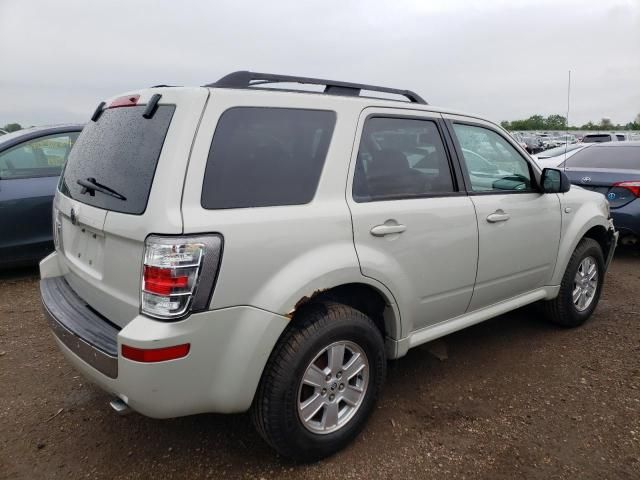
(599, 138)
(30, 164)
(612, 169)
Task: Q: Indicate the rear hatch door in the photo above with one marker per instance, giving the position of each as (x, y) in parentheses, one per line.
(123, 181)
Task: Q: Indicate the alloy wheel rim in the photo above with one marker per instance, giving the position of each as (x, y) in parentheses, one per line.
(585, 284)
(333, 387)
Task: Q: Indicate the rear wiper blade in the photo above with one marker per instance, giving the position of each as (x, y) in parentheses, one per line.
(90, 185)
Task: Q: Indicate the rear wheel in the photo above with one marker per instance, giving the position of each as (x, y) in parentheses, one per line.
(321, 382)
(580, 288)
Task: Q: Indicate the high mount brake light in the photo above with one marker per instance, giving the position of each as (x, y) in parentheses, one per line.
(126, 101)
(178, 274)
(633, 187)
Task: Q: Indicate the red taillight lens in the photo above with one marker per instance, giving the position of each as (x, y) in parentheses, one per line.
(633, 187)
(164, 281)
(127, 101)
(178, 274)
(152, 355)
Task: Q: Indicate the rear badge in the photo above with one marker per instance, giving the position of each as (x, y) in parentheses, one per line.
(585, 179)
(611, 196)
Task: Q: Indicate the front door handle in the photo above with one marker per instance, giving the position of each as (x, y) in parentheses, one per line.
(382, 230)
(498, 216)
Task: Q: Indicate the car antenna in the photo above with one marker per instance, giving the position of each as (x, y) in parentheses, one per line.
(566, 138)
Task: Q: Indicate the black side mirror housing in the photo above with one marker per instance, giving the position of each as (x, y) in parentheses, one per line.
(554, 181)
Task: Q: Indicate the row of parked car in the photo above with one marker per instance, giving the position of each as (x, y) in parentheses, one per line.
(538, 142)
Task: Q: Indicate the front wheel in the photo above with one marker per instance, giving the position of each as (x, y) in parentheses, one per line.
(580, 288)
(321, 382)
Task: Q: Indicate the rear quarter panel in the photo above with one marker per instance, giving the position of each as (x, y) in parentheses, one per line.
(275, 256)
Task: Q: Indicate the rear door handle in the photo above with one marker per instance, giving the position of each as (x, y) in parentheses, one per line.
(382, 230)
(498, 216)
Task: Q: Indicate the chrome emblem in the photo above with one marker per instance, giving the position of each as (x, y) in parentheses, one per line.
(74, 217)
(585, 179)
(611, 196)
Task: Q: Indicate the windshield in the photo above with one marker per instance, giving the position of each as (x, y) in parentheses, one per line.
(119, 152)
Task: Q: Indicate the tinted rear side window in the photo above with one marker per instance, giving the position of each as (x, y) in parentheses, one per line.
(120, 151)
(596, 138)
(624, 158)
(266, 156)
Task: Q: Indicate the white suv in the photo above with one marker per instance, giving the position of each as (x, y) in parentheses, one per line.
(235, 247)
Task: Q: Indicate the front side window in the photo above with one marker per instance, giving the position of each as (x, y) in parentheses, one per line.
(263, 157)
(492, 163)
(400, 158)
(40, 157)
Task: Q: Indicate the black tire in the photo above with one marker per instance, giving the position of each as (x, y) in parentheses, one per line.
(561, 310)
(275, 407)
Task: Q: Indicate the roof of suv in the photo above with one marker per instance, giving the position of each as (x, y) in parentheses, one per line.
(347, 91)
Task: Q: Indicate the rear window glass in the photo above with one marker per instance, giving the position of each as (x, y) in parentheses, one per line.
(266, 156)
(596, 138)
(625, 158)
(120, 152)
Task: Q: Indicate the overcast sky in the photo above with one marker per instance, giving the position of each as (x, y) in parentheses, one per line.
(501, 59)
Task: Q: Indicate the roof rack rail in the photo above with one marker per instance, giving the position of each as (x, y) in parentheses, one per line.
(246, 79)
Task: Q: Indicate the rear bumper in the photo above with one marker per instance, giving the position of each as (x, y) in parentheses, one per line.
(229, 349)
(612, 238)
(627, 218)
(89, 336)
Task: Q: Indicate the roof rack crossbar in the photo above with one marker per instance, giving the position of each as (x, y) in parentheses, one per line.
(246, 79)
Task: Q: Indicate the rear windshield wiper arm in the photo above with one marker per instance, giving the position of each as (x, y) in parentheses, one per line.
(90, 185)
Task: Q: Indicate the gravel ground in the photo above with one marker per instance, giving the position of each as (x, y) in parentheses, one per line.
(514, 397)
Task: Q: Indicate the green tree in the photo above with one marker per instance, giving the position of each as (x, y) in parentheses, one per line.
(555, 122)
(606, 124)
(12, 127)
(536, 122)
(505, 124)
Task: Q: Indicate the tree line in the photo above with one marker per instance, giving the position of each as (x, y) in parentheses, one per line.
(12, 127)
(559, 122)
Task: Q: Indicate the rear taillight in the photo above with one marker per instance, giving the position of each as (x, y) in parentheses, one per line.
(633, 187)
(178, 274)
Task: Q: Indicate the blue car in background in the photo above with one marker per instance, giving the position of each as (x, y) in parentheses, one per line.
(612, 169)
(30, 165)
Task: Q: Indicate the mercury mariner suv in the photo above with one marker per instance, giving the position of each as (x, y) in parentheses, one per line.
(243, 246)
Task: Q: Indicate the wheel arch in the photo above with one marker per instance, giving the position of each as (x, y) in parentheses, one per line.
(595, 228)
(373, 300)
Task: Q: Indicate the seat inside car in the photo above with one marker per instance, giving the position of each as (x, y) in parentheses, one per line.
(389, 173)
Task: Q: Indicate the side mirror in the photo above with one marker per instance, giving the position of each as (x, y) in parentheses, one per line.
(554, 181)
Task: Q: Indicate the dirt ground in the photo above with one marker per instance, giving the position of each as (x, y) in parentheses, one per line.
(516, 398)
